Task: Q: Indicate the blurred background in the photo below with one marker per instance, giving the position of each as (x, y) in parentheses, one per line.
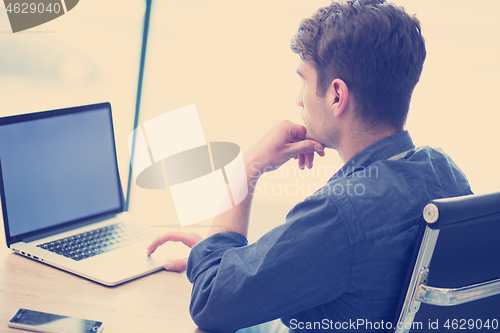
(232, 59)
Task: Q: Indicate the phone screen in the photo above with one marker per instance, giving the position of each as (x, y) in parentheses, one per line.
(48, 322)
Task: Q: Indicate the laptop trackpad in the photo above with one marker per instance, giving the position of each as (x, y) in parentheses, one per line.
(131, 261)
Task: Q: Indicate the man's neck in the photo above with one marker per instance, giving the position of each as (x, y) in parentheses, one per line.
(356, 141)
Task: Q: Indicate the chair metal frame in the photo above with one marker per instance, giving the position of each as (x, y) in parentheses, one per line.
(418, 292)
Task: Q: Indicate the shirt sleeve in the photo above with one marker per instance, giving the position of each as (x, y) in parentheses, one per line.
(294, 267)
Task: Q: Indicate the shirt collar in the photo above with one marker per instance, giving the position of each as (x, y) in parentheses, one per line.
(381, 150)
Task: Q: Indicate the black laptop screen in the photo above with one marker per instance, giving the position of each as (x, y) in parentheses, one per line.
(58, 167)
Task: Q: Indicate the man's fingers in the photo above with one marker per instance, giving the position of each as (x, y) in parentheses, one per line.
(159, 241)
(178, 265)
(306, 160)
(153, 246)
(309, 160)
(297, 132)
(189, 239)
(304, 147)
(302, 159)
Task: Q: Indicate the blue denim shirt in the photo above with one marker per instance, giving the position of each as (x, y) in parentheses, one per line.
(342, 255)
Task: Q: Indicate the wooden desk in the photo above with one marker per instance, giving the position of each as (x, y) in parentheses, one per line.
(155, 303)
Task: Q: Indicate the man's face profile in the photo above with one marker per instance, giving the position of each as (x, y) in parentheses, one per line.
(315, 111)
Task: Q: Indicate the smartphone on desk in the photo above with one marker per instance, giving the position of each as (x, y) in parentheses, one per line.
(51, 323)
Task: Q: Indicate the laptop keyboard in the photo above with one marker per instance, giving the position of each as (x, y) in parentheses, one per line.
(94, 242)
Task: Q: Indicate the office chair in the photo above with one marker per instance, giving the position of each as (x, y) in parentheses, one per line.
(454, 282)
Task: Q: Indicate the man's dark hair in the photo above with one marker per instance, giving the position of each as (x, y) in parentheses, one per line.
(375, 47)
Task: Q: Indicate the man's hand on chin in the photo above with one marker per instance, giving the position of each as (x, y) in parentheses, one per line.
(284, 141)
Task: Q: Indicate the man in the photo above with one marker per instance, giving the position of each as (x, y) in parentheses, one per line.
(343, 252)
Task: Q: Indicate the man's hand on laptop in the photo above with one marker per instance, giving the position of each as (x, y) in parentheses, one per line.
(284, 141)
(189, 239)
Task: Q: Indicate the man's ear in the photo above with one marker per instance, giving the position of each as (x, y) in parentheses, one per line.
(338, 97)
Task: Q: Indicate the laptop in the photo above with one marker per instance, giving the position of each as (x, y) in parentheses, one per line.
(62, 199)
